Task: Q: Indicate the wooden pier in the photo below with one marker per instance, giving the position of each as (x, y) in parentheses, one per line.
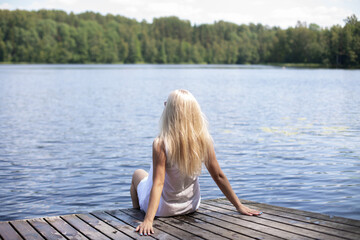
(215, 219)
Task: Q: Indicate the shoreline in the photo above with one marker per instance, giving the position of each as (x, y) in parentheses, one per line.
(283, 65)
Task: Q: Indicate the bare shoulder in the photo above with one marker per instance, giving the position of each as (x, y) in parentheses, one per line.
(158, 147)
(158, 143)
(212, 162)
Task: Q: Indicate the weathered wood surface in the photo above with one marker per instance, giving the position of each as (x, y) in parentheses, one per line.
(215, 219)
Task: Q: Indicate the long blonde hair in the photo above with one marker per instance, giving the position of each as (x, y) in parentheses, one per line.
(184, 130)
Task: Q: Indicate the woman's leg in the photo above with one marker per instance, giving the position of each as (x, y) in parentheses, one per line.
(138, 175)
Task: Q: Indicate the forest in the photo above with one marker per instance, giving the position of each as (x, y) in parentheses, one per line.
(54, 36)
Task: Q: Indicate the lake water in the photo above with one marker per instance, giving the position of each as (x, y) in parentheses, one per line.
(72, 135)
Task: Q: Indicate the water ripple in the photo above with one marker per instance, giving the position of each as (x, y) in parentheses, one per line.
(71, 136)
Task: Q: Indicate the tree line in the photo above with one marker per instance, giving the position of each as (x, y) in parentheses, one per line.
(53, 36)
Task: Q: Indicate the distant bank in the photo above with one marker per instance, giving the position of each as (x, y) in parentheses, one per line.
(283, 65)
(52, 36)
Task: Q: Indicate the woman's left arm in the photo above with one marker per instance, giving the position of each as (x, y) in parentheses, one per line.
(159, 161)
(223, 183)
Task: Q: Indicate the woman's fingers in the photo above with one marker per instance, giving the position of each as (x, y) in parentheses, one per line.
(250, 212)
(144, 230)
(140, 229)
(255, 212)
(149, 231)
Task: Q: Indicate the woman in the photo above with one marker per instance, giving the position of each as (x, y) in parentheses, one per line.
(172, 185)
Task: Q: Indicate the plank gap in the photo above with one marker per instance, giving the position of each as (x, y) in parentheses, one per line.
(252, 229)
(92, 226)
(35, 229)
(159, 230)
(7, 231)
(116, 223)
(299, 230)
(188, 222)
(75, 228)
(120, 219)
(320, 216)
(119, 229)
(181, 229)
(18, 232)
(230, 229)
(324, 222)
(308, 225)
(55, 228)
(127, 223)
(260, 215)
(261, 224)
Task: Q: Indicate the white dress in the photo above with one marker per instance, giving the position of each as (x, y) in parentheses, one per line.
(180, 195)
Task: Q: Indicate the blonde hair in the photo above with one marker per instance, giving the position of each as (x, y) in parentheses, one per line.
(184, 130)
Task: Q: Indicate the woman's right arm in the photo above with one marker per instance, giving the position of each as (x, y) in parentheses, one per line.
(223, 183)
(159, 161)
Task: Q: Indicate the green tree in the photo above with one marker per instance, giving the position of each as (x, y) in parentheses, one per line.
(134, 55)
(53, 36)
(3, 51)
(161, 56)
(351, 41)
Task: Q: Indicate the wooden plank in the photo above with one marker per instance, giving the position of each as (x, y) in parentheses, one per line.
(162, 225)
(279, 233)
(26, 230)
(119, 225)
(227, 226)
(317, 221)
(134, 222)
(216, 219)
(226, 233)
(191, 228)
(343, 223)
(336, 219)
(65, 229)
(7, 232)
(336, 229)
(274, 224)
(106, 229)
(45, 229)
(83, 227)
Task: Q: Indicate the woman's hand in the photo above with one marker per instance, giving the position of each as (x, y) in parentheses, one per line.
(146, 228)
(248, 211)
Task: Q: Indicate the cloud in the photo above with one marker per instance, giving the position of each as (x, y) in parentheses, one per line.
(323, 16)
(5, 6)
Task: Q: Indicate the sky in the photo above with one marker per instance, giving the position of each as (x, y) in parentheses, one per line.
(284, 14)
